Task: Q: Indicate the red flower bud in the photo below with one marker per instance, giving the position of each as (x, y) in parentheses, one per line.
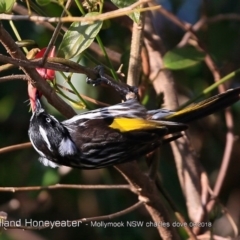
(46, 73)
(32, 93)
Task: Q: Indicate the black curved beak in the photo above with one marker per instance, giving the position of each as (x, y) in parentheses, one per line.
(38, 105)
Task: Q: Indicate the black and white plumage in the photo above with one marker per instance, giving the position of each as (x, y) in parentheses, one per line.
(115, 134)
(97, 138)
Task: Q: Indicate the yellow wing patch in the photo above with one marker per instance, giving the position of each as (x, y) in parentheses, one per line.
(131, 124)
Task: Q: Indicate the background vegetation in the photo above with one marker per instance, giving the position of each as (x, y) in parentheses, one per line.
(187, 46)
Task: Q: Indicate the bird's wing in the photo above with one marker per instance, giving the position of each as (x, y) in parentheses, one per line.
(129, 109)
(111, 140)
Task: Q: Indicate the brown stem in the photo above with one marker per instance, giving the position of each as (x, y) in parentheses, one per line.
(134, 68)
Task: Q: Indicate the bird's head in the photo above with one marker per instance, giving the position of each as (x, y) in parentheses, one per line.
(49, 137)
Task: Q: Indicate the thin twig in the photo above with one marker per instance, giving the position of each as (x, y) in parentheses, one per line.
(57, 64)
(223, 17)
(54, 63)
(83, 96)
(24, 77)
(114, 215)
(65, 186)
(225, 211)
(14, 77)
(15, 147)
(229, 135)
(55, 33)
(101, 17)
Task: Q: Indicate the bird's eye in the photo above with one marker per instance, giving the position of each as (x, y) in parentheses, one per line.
(48, 120)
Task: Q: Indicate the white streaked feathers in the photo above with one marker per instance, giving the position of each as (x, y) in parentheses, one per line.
(67, 147)
(47, 162)
(159, 113)
(43, 158)
(40, 152)
(45, 138)
(129, 109)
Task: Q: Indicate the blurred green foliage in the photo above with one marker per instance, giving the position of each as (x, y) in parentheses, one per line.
(21, 168)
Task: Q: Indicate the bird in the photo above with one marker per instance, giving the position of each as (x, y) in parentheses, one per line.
(113, 135)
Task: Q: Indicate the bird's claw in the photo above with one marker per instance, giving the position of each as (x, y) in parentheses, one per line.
(127, 92)
(95, 82)
(100, 79)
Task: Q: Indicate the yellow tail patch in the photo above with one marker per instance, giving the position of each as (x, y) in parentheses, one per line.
(131, 124)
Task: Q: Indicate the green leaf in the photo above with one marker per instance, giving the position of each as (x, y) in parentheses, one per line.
(79, 37)
(125, 3)
(50, 177)
(6, 6)
(6, 107)
(43, 2)
(180, 58)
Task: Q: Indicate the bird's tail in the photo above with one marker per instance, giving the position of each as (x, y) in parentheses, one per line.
(199, 110)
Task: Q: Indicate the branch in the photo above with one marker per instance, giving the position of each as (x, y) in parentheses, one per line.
(13, 77)
(65, 186)
(57, 64)
(114, 215)
(134, 67)
(23, 77)
(101, 17)
(15, 147)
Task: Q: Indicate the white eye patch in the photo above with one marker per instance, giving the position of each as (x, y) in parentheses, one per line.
(67, 147)
(45, 138)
